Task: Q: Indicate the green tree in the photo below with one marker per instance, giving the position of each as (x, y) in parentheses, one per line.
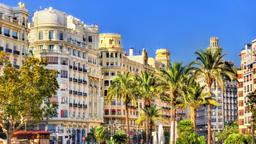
(25, 94)
(210, 67)
(237, 138)
(229, 128)
(91, 136)
(187, 135)
(193, 98)
(122, 88)
(172, 79)
(147, 89)
(101, 134)
(152, 114)
(120, 137)
(251, 103)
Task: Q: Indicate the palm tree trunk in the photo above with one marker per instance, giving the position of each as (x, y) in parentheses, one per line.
(147, 103)
(193, 117)
(127, 122)
(252, 131)
(146, 130)
(209, 115)
(173, 126)
(150, 131)
(209, 134)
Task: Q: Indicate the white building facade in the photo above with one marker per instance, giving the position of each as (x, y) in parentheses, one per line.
(70, 46)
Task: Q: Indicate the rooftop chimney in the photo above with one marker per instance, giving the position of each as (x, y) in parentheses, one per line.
(130, 51)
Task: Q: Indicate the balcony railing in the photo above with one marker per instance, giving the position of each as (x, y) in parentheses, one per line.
(16, 52)
(8, 50)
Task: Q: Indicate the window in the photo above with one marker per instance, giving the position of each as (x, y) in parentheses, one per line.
(15, 35)
(90, 39)
(64, 74)
(61, 36)
(105, 92)
(106, 83)
(64, 61)
(52, 60)
(63, 113)
(110, 41)
(61, 48)
(40, 47)
(6, 32)
(23, 36)
(106, 73)
(50, 34)
(107, 54)
(40, 35)
(50, 48)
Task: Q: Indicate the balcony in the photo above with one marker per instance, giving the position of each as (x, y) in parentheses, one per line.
(75, 105)
(79, 93)
(84, 70)
(74, 79)
(74, 67)
(84, 82)
(80, 81)
(70, 66)
(80, 69)
(7, 34)
(84, 106)
(70, 104)
(70, 79)
(70, 91)
(15, 37)
(16, 52)
(8, 50)
(75, 92)
(84, 94)
(16, 66)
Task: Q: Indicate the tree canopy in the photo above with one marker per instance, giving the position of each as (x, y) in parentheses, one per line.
(25, 93)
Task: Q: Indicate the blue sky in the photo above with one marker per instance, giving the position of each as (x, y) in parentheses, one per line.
(182, 26)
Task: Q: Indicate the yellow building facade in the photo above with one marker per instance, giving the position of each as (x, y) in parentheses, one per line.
(114, 61)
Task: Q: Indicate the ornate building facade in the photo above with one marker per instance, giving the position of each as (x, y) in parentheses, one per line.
(13, 32)
(246, 84)
(71, 48)
(114, 61)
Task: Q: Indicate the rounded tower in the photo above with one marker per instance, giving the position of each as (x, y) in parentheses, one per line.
(110, 41)
(163, 56)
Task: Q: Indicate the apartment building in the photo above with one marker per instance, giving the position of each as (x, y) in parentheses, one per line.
(71, 48)
(226, 111)
(114, 61)
(246, 85)
(13, 32)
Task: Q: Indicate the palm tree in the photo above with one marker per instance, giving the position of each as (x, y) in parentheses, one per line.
(251, 105)
(101, 134)
(172, 79)
(147, 89)
(152, 114)
(122, 88)
(193, 98)
(210, 68)
(120, 137)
